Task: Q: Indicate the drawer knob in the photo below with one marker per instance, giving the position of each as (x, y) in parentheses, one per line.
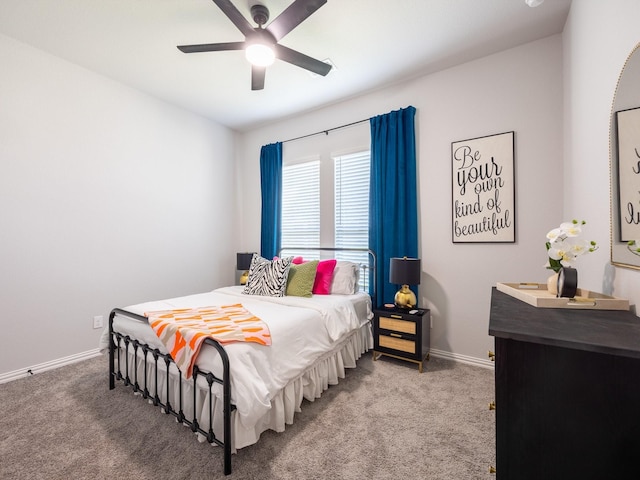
(492, 356)
(492, 469)
(492, 405)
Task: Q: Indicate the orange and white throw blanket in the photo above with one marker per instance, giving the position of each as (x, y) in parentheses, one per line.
(184, 330)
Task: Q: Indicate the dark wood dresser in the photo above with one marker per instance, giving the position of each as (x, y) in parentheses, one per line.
(567, 392)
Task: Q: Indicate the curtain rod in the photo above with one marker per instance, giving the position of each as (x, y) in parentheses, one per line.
(326, 132)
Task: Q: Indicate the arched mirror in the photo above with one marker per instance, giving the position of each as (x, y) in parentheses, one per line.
(624, 152)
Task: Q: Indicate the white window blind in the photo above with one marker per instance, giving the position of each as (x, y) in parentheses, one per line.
(301, 206)
(351, 187)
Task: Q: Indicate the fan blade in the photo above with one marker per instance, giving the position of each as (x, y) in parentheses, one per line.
(293, 16)
(301, 60)
(257, 77)
(211, 47)
(235, 16)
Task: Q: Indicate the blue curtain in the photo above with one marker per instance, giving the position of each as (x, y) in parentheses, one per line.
(393, 209)
(271, 186)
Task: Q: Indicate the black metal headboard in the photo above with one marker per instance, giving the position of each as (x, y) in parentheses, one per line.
(367, 269)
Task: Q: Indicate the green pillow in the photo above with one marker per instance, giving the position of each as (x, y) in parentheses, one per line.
(301, 278)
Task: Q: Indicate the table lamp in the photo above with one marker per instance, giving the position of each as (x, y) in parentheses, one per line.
(243, 262)
(405, 271)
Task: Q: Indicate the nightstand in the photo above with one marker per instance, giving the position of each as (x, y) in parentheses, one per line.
(400, 334)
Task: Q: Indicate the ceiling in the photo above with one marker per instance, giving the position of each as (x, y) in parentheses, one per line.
(372, 43)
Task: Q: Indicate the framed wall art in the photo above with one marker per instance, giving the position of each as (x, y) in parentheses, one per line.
(628, 173)
(483, 189)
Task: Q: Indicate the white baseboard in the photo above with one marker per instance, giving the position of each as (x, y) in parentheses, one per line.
(61, 362)
(43, 367)
(478, 362)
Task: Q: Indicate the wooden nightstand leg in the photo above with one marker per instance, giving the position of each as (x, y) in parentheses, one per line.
(421, 364)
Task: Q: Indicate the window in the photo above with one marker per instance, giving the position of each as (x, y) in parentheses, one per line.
(301, 205)
(351, 205)
(312, 216)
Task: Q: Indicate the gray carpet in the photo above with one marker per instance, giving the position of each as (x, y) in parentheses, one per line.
(383, 421)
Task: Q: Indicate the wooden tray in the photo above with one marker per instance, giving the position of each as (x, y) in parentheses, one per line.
(536, 294)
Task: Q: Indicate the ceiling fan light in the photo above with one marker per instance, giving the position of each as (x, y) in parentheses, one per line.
(533, 3)
(260, 55)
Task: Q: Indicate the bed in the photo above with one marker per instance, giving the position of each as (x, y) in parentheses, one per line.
(235, 391)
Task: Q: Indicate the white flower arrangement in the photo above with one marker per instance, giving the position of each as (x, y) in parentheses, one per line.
(564, 246)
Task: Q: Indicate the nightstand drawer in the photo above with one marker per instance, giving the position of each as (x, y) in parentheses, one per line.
(399, 344)
(398, 325)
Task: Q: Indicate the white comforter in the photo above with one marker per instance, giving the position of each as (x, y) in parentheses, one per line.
(302, 331)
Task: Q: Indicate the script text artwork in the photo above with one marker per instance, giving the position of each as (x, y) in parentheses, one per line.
(633, 216)
(481, 177)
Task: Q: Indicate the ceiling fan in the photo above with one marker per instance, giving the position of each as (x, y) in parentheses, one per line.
(266, 39)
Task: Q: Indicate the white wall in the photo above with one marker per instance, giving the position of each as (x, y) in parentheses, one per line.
(519, 89)
(108, 197)
(85, 160)
(597, 39)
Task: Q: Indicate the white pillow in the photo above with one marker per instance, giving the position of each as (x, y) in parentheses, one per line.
(345, 278)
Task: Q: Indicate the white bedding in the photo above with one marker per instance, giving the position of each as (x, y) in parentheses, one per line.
(303, 332)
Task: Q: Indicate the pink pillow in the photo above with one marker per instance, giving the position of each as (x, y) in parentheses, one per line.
(296, 260)
(324, 276)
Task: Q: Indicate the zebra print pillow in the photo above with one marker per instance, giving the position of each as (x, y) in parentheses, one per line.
(267, 278)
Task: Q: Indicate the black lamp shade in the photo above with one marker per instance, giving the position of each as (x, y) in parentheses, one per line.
(243, 260)
(405, 271)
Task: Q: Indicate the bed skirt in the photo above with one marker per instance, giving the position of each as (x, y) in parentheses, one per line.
(326, 371)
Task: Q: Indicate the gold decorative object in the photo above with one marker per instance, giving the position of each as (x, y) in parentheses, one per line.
(405, 298)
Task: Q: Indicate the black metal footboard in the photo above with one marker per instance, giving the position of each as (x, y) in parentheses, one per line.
(119, 343)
